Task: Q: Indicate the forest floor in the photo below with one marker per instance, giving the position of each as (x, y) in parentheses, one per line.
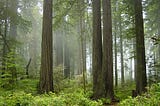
(70, 93)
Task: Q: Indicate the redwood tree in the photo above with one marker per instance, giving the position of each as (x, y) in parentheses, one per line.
(46, 72)
(97, 51)
(107, 49)
(141, 79)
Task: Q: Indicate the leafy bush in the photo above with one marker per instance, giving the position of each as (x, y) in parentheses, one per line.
(122, 92)
(27, 85)
(20, 98)
(151, 98)
(16, 99)
(58, 78)
(11, 70)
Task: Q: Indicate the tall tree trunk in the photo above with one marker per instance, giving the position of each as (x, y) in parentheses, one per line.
(83, 41)
(97, 51)
(80, 58)
(158, 31)
(83, 56)
(107, 49)
(115, 51)
(141, 79)
(115, 44)
(131, 66)
(135, 58)
(121, 49)
(46, 72)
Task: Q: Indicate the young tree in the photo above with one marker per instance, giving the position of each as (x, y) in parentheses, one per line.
(46, 72)
(13, 35)
(141, 79)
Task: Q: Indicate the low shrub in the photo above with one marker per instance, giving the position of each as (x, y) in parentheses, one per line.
(16, 99)
(150, 98)
(63, 99)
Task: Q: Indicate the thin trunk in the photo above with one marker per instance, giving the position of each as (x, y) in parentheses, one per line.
(66, 61)
(115, 51)
(131, 67)
(27, 67)
(115, 44)
(135, 59)
(83, 42)
(80, 69)
(83, 67)
(158, 26)
(121, 48)
(158, 30)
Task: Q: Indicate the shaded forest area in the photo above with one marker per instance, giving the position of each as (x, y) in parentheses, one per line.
(79, 53)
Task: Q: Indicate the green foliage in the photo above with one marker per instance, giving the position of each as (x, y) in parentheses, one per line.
(106, 100)
(10, 70)
(58, 78)
(27, 85)
(151, 98)
(16, 99)
(122, 92)
(21, 98)
(24, 94)
(62, 9)
(24, 25)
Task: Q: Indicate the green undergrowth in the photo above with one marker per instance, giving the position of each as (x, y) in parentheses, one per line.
(123, 91)
(24, 94)
(150, 98)
(27, 99)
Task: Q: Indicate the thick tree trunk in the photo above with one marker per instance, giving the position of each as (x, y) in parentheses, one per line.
(46, 72)
(107, 50)
(141, 79)
(97, 51)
